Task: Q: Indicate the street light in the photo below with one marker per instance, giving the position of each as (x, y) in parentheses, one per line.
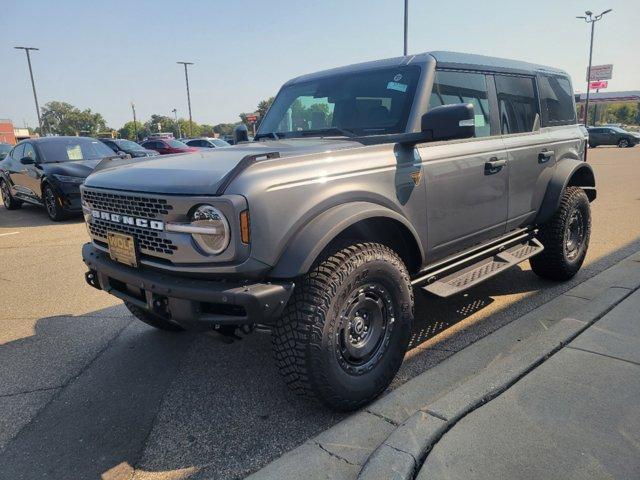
(186, 77)
(175, 114)
(406, 25)
(33, 84)
(589, 17)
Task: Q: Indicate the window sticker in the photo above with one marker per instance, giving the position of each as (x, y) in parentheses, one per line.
(74, 152)
(479, 120)
(400, 87)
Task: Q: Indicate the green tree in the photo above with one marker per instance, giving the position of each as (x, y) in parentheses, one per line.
(62, 118)
(128, 131)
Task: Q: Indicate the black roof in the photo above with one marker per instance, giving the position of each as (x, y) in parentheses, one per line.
(466, 61)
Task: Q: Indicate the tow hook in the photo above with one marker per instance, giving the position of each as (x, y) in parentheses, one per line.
(92, 279)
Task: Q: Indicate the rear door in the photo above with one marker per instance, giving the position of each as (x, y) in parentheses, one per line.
(531, 159)
(466, 180)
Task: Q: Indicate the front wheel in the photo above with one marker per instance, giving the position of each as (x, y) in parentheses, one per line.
(623, 143)
(565, 237)
(52, 204)
(345, 330)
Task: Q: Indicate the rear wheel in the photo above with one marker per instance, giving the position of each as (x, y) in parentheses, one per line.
(10, 203)
(344, 332)
(623, 143)
(565, 237)
(153, 320)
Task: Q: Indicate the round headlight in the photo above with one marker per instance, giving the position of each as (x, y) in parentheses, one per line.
(213, 219)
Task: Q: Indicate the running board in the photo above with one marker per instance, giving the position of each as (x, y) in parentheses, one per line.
(450, 281)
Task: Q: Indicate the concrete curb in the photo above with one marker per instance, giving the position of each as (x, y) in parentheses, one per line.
(404, 451)
(392, 437)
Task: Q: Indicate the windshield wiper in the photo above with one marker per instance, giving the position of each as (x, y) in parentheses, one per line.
(273, 135)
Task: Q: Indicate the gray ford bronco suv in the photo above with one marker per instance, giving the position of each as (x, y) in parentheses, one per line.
(433, 171)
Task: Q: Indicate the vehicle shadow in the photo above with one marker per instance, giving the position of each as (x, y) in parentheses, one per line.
(31, 216)
(115, 394)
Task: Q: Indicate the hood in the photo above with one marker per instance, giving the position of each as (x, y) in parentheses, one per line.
(78, 168)
(201, 172)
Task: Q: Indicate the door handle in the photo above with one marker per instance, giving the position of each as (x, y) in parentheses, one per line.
(545, 156)
(494, 165)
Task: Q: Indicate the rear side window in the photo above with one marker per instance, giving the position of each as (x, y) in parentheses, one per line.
(517, 104)
(463, 87)
(556, 99)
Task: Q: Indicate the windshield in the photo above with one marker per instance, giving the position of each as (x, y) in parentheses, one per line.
(129, 145)
(366, 103)
(618, 129)
(176, 144)
(73, 149)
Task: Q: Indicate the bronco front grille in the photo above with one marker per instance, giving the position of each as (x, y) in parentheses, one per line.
(151, 242)
(146, 239)
(133, 205)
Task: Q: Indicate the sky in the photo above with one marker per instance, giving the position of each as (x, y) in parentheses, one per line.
(105, 55)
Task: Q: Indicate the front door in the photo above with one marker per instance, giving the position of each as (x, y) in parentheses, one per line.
(466, 180)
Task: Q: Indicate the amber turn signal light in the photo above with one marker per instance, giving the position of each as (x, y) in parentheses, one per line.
(244, 226)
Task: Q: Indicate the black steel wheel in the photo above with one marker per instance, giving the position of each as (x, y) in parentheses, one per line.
(565, 237)
(9, 202)
(345, 330)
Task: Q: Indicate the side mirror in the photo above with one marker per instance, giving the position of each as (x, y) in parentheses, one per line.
(122, 154)
(449, 122)
(27, 161)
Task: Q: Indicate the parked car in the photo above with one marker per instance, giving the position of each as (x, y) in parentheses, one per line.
(438, 170)
(207, 143)
(165, 146)
(128, 147)
(49, 171)
(5, 148)
(612, 136)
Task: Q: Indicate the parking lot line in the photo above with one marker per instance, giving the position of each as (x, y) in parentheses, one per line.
(8, 233)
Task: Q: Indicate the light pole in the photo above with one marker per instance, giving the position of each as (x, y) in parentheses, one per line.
(406, 25)
(33, 84)
(589, 17)
(135, 123)
(186, 77)
(175, 114)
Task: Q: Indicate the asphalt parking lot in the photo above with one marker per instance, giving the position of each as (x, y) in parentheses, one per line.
(87, 391)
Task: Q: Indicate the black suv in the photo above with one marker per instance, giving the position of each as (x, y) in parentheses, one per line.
(49, 171)
(612, 136)
(128, 147)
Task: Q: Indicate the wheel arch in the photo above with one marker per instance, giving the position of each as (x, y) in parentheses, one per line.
(568, 173)
(362, 221)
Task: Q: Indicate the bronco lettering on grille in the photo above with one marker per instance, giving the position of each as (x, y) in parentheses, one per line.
(127, 220)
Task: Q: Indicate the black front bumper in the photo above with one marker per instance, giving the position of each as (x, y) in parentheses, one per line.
(193, 303)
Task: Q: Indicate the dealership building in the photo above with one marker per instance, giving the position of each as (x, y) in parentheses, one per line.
(10, 134)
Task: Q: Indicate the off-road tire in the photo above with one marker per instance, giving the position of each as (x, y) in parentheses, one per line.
(307, 338)
(9, 202)
(52, 204)
(153, 320)
(623, 143)
(554, 262)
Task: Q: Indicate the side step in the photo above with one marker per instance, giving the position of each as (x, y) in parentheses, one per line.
(487, 267)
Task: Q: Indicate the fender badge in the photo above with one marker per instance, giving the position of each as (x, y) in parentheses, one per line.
(416, 176)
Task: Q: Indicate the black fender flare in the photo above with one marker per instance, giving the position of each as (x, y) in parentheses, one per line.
(569, 172)
(305, 246)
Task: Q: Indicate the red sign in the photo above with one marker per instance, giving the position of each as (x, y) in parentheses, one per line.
(598, 84)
